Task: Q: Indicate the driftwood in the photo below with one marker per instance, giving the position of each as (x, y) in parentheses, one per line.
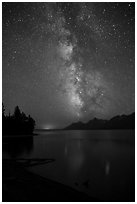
(32, 161)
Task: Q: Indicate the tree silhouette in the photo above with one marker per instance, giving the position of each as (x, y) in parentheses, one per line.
(18, 123)
(3, 111)
(17, 113)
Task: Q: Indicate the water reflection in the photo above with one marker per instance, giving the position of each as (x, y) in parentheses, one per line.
(74, 155)
(107, 168)
(99, 163)
(17, 146)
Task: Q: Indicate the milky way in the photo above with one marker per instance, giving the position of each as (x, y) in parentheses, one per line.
(64, 62)
(84, 90)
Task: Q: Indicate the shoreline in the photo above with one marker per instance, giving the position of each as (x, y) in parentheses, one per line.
(21, 185)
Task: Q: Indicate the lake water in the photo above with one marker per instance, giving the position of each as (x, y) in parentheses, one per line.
(100, 163)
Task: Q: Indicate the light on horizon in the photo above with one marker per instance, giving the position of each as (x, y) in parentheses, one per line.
(48, 126)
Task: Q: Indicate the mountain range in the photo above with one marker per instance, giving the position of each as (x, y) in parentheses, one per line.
(117, 122)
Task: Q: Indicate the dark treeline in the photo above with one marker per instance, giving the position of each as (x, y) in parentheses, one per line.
(17, 124)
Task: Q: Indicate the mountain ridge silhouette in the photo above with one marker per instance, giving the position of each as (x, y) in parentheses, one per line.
(116, 122)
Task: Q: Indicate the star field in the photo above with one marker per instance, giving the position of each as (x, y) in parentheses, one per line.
(64, 62)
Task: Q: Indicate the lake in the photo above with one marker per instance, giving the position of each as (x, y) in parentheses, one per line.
(100, 163)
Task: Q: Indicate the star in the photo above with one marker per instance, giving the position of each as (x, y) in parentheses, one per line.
(76, 58)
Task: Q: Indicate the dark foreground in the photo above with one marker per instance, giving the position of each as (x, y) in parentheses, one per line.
(20, 185)
(98, 163)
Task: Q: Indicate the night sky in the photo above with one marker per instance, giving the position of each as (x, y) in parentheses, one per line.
(65, 62)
